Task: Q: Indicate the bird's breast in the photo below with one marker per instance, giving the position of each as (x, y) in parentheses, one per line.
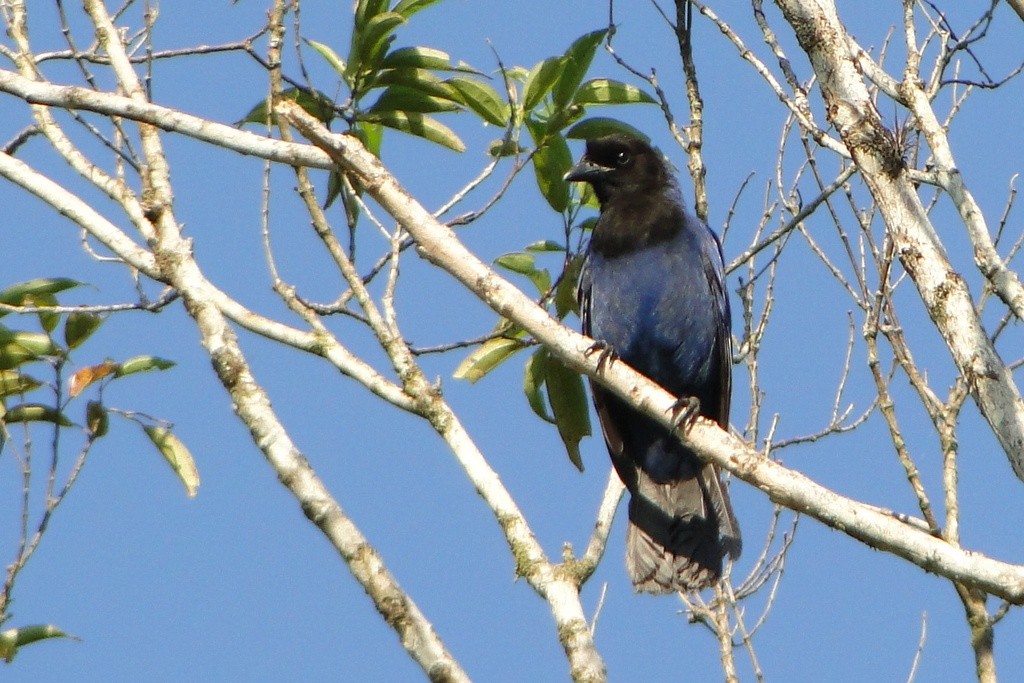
(654, 307)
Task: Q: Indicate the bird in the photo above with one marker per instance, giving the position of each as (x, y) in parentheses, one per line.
(652, 294)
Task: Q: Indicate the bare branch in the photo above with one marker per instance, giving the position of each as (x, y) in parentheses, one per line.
(440, 246)
(920, 251)
(1018, 7)
(252, 404)
(218, 134)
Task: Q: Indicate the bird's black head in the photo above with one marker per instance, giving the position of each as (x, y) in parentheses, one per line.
(618, 165)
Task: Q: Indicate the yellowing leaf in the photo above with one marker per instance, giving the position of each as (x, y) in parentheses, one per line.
(488, 356)
(88, 375)
(177, 455)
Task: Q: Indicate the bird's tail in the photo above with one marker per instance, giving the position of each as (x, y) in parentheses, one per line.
(679, 532)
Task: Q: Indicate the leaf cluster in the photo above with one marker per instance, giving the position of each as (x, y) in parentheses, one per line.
(406, 88)
(553, 109)
(25, 356)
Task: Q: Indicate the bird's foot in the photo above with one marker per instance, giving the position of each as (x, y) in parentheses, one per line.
(684, 412)
(607, 356)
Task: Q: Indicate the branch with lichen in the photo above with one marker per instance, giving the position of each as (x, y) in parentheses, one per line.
(440, 246)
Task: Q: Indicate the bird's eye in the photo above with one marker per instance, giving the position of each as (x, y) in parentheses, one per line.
(622, 158)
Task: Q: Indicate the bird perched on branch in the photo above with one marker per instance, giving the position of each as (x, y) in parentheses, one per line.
(652, 293)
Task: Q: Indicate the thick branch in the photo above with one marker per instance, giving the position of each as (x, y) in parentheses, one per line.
(439, 245)
(108, 104)
(880, 161)
(1004, 281)
(178, 267)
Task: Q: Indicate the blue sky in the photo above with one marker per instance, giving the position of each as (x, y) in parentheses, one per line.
(236, 585)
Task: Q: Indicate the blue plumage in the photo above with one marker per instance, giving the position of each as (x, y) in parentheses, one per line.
(652, 290)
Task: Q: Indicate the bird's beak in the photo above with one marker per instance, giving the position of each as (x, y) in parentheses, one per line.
(584, 171)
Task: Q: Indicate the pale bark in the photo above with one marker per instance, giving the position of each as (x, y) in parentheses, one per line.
(441, 246)
(880, 162)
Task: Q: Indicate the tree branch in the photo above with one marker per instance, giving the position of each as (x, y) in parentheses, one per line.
(439, 245)
(165, 118)
(177, 266)
(943, 290)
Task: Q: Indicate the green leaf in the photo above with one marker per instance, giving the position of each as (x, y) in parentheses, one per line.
(486, 357)
(534, 376)
(608, 91)
(36, 412)
(517, 262)
(505, 148)
(38, 293)
(545, 245)
(562, 118)
(14, 383)
(14, 638)
(143, 364)
(329, 55)
(368, 9)
(407, 8)
(370, 134)
(177, 455)
(523, 263)
(419, 125)
(565, 292)
(577, 61)
(416, 58)
(542, 77)
(79, 327)
(421, 79)
(13, 355)
(35, 342)
(517, 73)
(25, 293)
(551, 162)
(482, 99)
(314, 102)
(97, 421)
(334, 188)
(21, 347)
(569, 406)
(48, 320)
(599, 126)
(372, 42)
(402, 98)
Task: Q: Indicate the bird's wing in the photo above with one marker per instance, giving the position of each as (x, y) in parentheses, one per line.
(610, 425)
(714, 270)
